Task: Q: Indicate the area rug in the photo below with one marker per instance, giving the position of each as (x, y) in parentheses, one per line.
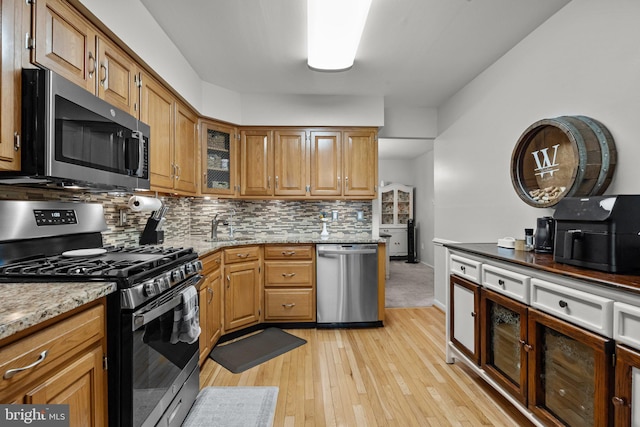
(238, 356)
(233, 407)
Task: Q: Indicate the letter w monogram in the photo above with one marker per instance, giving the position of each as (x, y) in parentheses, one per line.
(546, 166)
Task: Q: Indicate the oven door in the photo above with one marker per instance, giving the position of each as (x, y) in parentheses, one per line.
(160, 363)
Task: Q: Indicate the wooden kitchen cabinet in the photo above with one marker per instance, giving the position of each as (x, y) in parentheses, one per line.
(12, 15)
(242, 287)
(67, 43)
(256, 164)
(291, 162)
(627, 395)
(185, 150)
(326, 163)
(289, 283)
(70, 370)
(360, 163)
(210, 304)
(464, 317)
(219, 158)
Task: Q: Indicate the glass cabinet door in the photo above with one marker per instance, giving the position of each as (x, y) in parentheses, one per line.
(218, 165)
(387, 207)
(503, 347)
(570, 373)
(403, 206)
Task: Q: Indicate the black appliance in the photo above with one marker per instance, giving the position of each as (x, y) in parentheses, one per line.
(72, 137)
(545, 230)
(153, 378)
(411, 242)
(601, 233)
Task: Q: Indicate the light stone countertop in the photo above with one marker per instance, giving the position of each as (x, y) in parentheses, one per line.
(23, 305)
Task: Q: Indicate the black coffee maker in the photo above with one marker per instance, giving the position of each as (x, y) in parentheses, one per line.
(545, 231)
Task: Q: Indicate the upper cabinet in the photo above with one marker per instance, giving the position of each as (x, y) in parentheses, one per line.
(326, 163)
(186, 149)
(360, 163)
(396, 205)
(70, 45)
(256, 164)
(12, 15)
(291, 162)
(219, 158)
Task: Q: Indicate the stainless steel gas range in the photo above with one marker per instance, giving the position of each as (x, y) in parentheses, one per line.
(152, 346)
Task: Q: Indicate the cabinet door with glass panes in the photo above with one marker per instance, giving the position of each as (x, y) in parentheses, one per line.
(219, 159)
(396, 204)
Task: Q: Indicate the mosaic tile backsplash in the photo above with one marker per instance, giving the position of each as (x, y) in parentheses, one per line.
(193, 216)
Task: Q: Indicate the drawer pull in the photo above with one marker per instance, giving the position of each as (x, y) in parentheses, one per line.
(501, 282)
(473, 314)
(563, 304)
(618, 401)
(11, 372)
(242, 255)
(290, 305)
(288, 274)
(288, 253)
(462, 268)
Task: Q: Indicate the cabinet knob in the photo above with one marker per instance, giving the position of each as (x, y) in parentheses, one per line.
(462, 268)
(501, 282)
(563, 304)
(473, 314)
(618, 401)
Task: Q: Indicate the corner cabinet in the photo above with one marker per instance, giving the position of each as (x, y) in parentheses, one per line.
(219, 159)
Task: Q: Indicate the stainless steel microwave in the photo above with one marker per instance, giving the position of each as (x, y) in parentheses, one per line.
(72, 137)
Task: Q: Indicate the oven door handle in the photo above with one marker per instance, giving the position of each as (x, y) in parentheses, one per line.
(140, 320)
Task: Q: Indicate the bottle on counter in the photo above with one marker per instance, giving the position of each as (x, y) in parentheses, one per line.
(528, 239)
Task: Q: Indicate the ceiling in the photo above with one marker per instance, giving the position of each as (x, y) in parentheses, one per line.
(415, 53)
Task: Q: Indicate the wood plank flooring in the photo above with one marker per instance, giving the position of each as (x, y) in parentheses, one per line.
(390, 376)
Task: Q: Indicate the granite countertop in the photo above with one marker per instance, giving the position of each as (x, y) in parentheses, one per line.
(203, 245)
(26, 304)
(545, 262)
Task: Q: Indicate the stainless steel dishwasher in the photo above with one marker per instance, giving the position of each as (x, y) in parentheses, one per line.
(347, 285)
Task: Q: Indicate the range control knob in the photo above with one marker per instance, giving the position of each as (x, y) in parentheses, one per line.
(149, 288)
(178, 274)
(162, 284)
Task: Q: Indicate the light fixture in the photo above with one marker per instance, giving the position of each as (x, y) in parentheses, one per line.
(334, 28)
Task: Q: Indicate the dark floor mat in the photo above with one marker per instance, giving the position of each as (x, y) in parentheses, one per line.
(248, 352)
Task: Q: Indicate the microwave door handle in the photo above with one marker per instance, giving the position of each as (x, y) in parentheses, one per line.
(141, 151)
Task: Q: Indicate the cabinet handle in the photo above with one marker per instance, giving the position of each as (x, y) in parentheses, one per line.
(462, 268)
(178, 170)
(173, 170)
(242, 255)
(618, 401)
(104, 65)
(338, 182)
(501, 282)
(525, 346)
(290, 305)
(288, 253)
(269, 182)
(473, 314)
(16, 141)
(277, 182)
(288, 274)
(563, 304)
(210, 292)
(228, 281)
(11, 372)
(92, 65)
(346, 181)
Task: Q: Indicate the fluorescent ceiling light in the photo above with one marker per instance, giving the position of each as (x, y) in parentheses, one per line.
(334, 28)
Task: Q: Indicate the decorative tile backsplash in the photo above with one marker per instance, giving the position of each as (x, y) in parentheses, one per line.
(193, 216)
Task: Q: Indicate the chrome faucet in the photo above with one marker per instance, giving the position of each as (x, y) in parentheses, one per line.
(214, 227)
(232, 212)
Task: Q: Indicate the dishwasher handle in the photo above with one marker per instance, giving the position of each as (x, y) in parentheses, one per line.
(347, 251)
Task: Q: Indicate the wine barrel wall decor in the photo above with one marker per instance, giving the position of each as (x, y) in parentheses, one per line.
(567, 156)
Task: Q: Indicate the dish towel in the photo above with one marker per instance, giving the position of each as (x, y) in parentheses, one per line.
(186, 318)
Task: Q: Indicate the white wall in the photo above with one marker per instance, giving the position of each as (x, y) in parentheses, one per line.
(400, 171)
(423, 206)
(583, 60)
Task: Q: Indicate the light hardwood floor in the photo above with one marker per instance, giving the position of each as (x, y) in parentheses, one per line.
(390, 376)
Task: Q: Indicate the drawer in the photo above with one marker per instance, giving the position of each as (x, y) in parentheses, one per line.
(508, 283)
(246, 253)
(61, 342)
(289, 304)
(626, 324)
(211, 263)
(590, 311)
(288, 252)
(465, 267)
(288, 273)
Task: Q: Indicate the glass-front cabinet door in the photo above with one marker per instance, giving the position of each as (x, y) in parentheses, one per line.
(503, 347)
(569, 373)
(396, 205)
(219, 159)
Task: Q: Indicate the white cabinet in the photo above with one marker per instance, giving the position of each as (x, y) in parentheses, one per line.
(464, 317)
(396, 205)
(397, 241)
